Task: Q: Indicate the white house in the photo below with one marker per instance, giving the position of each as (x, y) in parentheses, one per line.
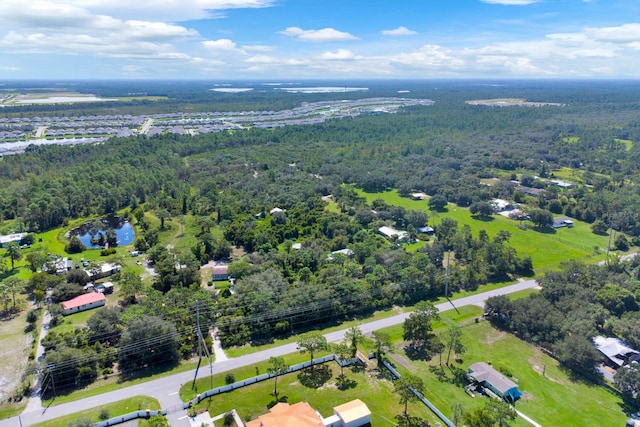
(16, 237)
(83, 302)
(389, 232)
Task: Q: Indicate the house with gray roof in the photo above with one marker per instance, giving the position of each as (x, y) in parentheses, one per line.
(489, 378)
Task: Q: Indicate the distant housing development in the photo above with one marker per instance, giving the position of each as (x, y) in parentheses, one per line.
(17, 133)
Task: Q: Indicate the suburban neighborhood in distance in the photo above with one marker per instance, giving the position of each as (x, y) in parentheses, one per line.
(301, 267)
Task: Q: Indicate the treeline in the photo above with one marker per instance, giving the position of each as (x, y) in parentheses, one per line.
(444, 149)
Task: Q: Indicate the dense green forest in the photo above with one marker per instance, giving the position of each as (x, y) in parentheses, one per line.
(231, 181)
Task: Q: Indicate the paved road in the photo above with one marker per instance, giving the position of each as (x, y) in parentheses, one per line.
(166, 389)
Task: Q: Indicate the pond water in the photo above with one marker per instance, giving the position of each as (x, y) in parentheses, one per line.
(86, 232)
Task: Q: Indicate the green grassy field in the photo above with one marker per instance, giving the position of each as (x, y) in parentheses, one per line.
(136, 403)
(546, 248)
(550, 394)
(627, 143)
(377, 393)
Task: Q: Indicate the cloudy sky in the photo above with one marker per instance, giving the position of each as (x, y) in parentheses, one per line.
(281, 39)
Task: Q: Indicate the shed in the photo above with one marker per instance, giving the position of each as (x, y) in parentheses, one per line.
(353, 414)
(488, 377)
(346, 252)
(83, 302)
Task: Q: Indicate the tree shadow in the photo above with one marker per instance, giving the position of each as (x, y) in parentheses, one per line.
(9, 314)
(274, 402)
(315, 376)
(406, 420)
(544, 230)
(418, 352)
(439, 373)
(483, 218)
(345, 383)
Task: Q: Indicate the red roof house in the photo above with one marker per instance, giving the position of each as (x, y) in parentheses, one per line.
(84, 302)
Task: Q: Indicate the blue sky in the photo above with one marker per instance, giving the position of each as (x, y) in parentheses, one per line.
(300, 39)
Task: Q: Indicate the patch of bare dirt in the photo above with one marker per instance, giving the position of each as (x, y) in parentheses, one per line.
(14, 352)
(494, 336)
(401, 360)
(539, 366)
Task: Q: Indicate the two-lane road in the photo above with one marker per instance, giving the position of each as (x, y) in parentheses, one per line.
(166, 389)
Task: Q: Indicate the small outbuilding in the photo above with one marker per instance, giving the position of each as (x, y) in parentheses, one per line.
(353, 414)
(487, 377)
(84, 302)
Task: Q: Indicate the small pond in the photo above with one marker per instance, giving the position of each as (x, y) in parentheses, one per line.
(92, 230)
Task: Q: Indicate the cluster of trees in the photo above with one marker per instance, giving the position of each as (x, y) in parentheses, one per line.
(155, 331)
(443, 150)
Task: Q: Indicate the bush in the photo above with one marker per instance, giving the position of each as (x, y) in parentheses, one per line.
(32, 316)
(230, 378)
(75, 246)
(228, 419)
(505, 371)
(104, 414)
(107, 252)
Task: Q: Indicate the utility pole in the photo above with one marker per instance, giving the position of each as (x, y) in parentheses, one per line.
(446, 284)
(199, 344)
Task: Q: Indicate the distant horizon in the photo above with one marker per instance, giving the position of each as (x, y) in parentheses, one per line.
(283, 80)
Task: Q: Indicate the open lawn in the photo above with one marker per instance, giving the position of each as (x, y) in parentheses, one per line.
(547, 248)
(550, 394)
(76, 320)
(136, 403)
(365, 385)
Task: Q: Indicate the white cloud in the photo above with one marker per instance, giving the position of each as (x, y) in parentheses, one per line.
(323, 35)
(626, 33)
(429, 56)
(10, 68)
(340, 54)
(220, 44)
(400, 31)
(511, 2)
(164, 10)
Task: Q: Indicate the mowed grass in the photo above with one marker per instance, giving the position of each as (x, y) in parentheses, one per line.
(122, 407)
(377, 393)
(627, 143)
(550, 394)
(547, 248)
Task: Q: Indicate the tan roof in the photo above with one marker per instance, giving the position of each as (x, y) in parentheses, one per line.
(300, 414)
(351, 411)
